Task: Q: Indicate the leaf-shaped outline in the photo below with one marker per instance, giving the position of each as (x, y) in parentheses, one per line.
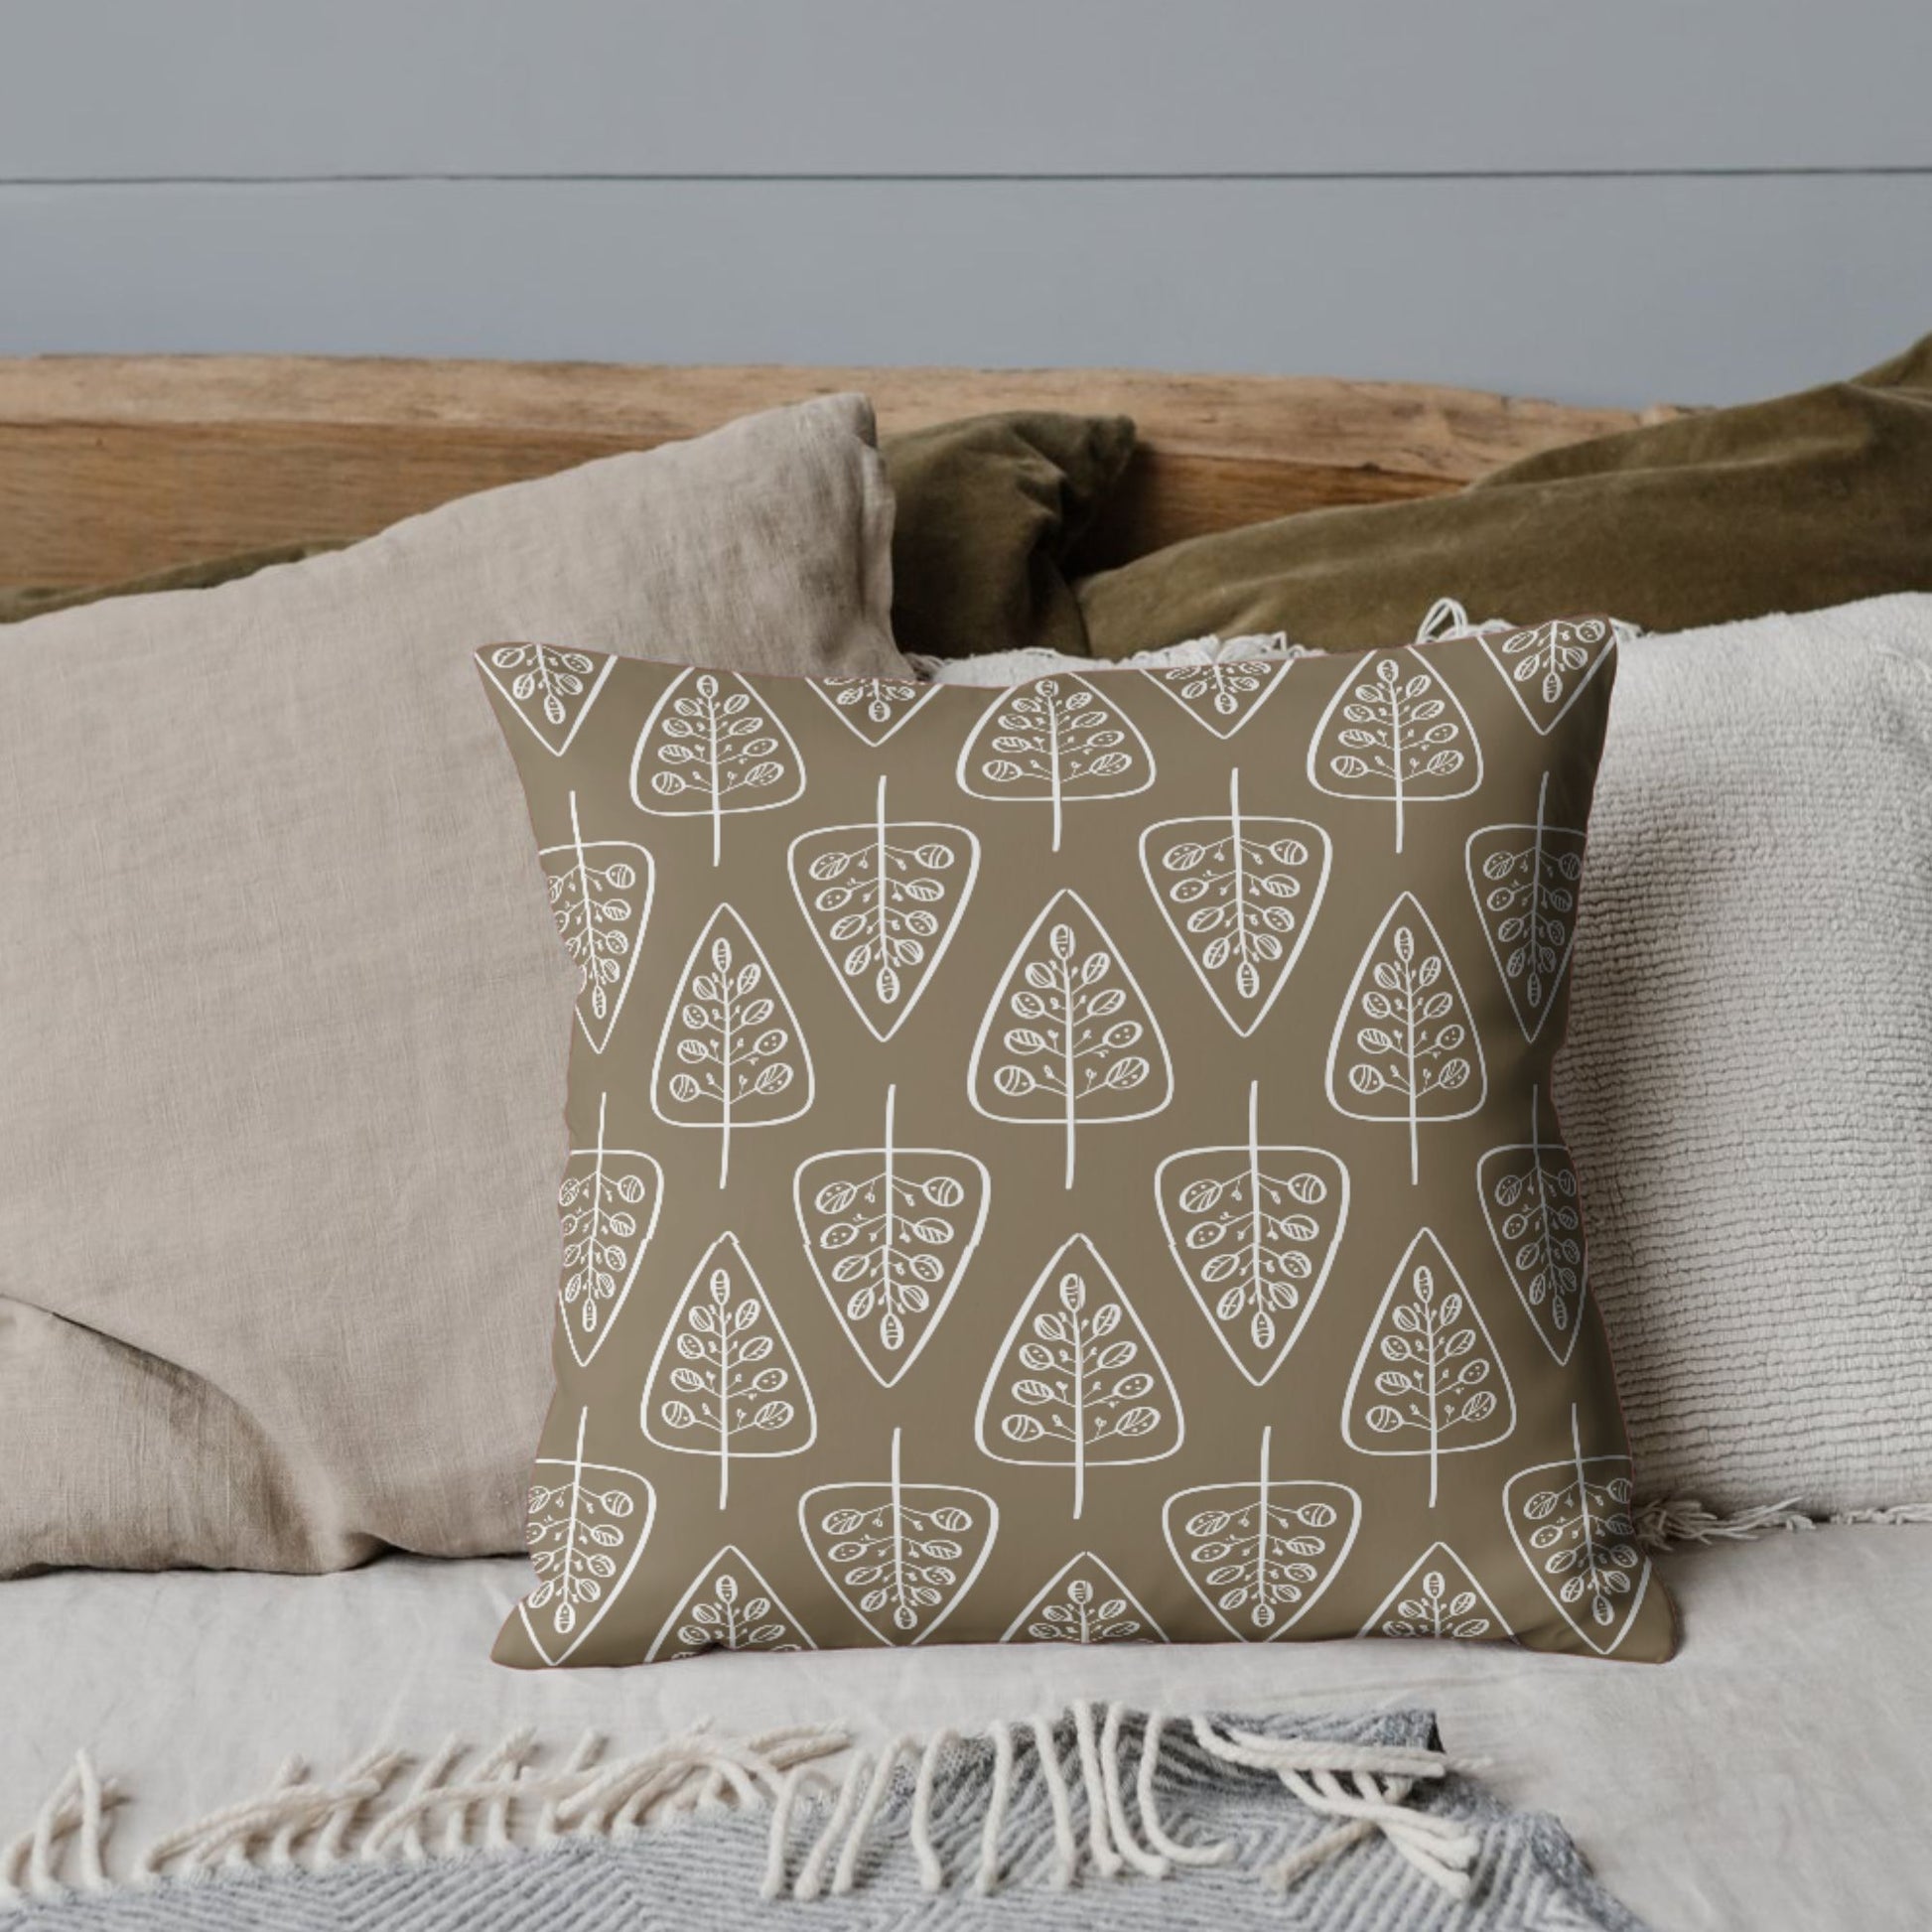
(1372, 1627)
(895, 1487)
(826, 686)
(1047, 1589)
(600, 1152)
(1400, 1285)
(1004, 1357)
(1103, 941)
(1606, 651)
(1261, 1491)
(582, 710)
(1535, 1147)
(890, 1152)
(1575, 1465)
(1058, 796)
(1480, 1084)
(717, 810)
(668, 1629)
(580, 1468)
(877, 827)
(1251, 1151)
(1167, 677)
(1236, 822)
(1540, 831)
(580, 847)
(1396, 796)
(672, 1018)
(731, 1453)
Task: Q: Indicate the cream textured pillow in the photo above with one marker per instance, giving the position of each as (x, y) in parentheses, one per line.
(1074, 1164)
(279, 1012)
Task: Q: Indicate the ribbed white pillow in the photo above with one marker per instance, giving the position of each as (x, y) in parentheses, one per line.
(1748, 1086)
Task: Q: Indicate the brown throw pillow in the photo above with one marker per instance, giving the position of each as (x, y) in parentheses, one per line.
(987, 510)
(1810, 500)
(1075, 1163)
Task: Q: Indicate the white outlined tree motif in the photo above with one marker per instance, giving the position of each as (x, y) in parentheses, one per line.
(587, 1527)
(1428, 1380)
(732, 1054)
(1253, 1231)
(872, 708)
(1533, 1206)
(548, 686)
(1083, 1601)
(1260, 1554)
(1439, 1596)
(1524, 879)
(1394, 731)
(883, 901)
(1240, 894)
(1222, 696)
(1547, 665)
(708, 749)
(899, 1556)
(889, 1231)
(600, 897)
(608, 1202)
(724, 1381)
(1057, 740)
(1405, 1046)
(1079, 1380)
(1573, 1525)
(729, 1606)
(1086, 1048)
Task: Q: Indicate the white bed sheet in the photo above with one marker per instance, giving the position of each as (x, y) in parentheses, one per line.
(1778, 1774)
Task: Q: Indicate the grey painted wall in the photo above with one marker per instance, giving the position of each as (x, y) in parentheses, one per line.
(1653, 201)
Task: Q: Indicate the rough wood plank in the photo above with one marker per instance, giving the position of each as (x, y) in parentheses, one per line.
(113, 466)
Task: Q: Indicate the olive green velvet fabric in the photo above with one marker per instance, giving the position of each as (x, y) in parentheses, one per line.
(1808, 501)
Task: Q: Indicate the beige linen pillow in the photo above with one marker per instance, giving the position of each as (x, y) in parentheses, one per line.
(279, 1012)
(1075, 1163)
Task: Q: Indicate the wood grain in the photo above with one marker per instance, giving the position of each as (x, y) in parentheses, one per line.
(111, 467)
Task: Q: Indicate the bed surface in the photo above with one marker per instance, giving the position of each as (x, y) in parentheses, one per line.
(1771, 1776)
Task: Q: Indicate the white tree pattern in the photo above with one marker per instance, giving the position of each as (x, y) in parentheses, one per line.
(1428, 1380)
(609, 1203)
(600, 898)
(1055, 740)
(729, 1606)
(1260, 1554)
(732, 1054)
(1439, 1597)
(1533, 1206)
(712, 747)
(1086, 1046)
(1240, 894)
(899, 1556)
(1525, 880)
(1253, 1231)
(872, 708)
(1079, 1380)
(883, 901)
(1223, 696)
(587, 1527)
(1573, 1525)
(549, 687)
(1083, 1601)
(1394, 731)
(1547, 665)
(889, 1231)
(724, 1381)
(1405, 1046)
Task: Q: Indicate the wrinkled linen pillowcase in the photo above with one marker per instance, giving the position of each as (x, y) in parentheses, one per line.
(1075, 1164)
(281, 1018)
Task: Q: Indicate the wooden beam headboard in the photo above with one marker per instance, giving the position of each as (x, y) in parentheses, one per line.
(113, 466)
